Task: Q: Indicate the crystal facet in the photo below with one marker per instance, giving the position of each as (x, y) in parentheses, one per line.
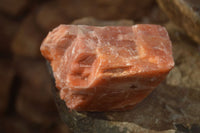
(107, 68)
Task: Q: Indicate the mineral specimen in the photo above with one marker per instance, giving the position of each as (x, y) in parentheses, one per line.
(107, 68)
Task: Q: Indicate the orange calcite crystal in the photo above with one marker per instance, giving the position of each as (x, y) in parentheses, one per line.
(107, 68)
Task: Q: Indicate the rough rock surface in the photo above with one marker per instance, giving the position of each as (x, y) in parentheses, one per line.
(172, 107)
(107, 68)
(185, 13)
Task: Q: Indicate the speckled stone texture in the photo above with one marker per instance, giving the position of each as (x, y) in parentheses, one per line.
(107, 68)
